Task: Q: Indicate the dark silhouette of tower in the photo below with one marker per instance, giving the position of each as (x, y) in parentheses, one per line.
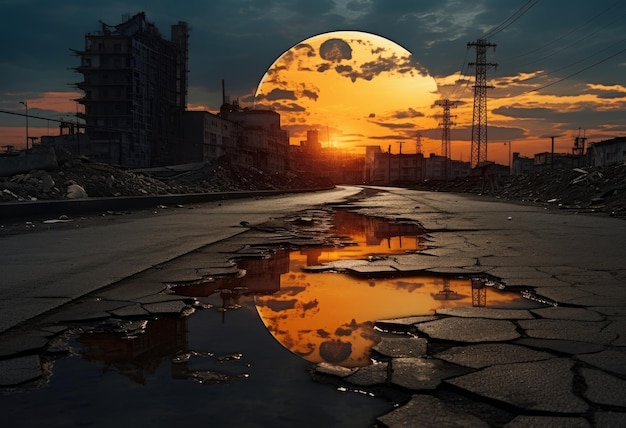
(446, 123)
(478, 153)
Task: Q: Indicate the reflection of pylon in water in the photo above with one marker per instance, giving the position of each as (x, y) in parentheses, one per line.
(447, 293)
(479, 293)
(230, 300)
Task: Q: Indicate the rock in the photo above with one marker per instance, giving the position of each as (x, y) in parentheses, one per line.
(75, 191)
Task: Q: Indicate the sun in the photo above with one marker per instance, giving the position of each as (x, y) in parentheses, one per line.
(357, 89)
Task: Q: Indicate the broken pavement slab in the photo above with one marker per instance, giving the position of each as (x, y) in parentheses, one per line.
(489, 354)
(604, 389)
(582, 331)
(608, 360)
(569, 347)
(421, 374)
(334, 370)
(563, 313)
(469, 330)
(20, 370)
(541, 386)
(395, 347)
(374, 374)
(429, 412)
(484, 312)
(524, 421)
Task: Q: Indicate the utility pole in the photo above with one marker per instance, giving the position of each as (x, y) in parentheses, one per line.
(25, 104)
(552, 137)
(478, 153)
(579, 147)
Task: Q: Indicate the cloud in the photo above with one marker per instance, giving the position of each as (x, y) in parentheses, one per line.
(409, 113)
(277, 94)
(323, 67)
(335, 50)
(290, 107)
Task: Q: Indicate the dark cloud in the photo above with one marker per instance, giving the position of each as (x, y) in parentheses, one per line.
(411, 112)
(335, 50)
(323, 67)
(291, 107)
(389, 125)
(277, 94)
(279, 305)
(308, 93)
(308, 49)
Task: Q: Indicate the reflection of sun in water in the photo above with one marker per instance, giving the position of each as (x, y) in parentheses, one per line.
(356, 88)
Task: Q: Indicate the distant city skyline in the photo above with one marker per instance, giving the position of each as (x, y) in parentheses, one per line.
(560, 63)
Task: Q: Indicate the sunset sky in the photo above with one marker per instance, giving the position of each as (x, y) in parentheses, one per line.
(561, 66)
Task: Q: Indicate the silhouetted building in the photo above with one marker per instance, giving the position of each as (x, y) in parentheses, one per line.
(607, 152)
(548, 160)
(522, 164)
(207, 136)
(135, 92)
(258, 138)
(312, 143)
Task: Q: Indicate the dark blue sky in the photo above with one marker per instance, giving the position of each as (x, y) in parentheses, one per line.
(237, 40)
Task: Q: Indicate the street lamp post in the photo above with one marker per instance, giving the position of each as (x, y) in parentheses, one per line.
(25, 103)
(510, 158)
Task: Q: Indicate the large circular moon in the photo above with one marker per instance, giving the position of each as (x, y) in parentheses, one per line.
(356, 89)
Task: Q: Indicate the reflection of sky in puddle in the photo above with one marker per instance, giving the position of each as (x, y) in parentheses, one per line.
(329, 316)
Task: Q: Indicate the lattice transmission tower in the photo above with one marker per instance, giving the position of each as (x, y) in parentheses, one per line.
(478, 153)
(446, 123)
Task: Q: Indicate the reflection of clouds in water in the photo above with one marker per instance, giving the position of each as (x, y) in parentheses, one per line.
(335, 351)
(277, 305)
(293, 290)
(408, 285)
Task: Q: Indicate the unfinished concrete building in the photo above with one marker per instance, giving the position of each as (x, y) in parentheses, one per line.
(135, 92)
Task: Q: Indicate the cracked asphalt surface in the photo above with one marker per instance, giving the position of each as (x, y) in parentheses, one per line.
(557, 365)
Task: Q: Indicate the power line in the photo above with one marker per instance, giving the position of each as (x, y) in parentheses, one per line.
(566, 34)
(517, 15)
(548, 73)
(575, 73)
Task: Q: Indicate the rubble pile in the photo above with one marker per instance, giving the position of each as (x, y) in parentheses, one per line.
(593, 189)
(80, 177)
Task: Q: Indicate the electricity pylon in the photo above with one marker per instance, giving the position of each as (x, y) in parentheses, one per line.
(446, 123)
(478, 154)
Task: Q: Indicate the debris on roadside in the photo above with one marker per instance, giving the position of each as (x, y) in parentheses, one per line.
(81, 178)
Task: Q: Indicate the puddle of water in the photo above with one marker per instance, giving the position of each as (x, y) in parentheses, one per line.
(329, 316)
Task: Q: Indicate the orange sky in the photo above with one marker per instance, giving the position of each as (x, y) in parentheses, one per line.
(53, 105)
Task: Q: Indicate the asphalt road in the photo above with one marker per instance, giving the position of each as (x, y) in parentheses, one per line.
(572, 259)
(45, 265)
